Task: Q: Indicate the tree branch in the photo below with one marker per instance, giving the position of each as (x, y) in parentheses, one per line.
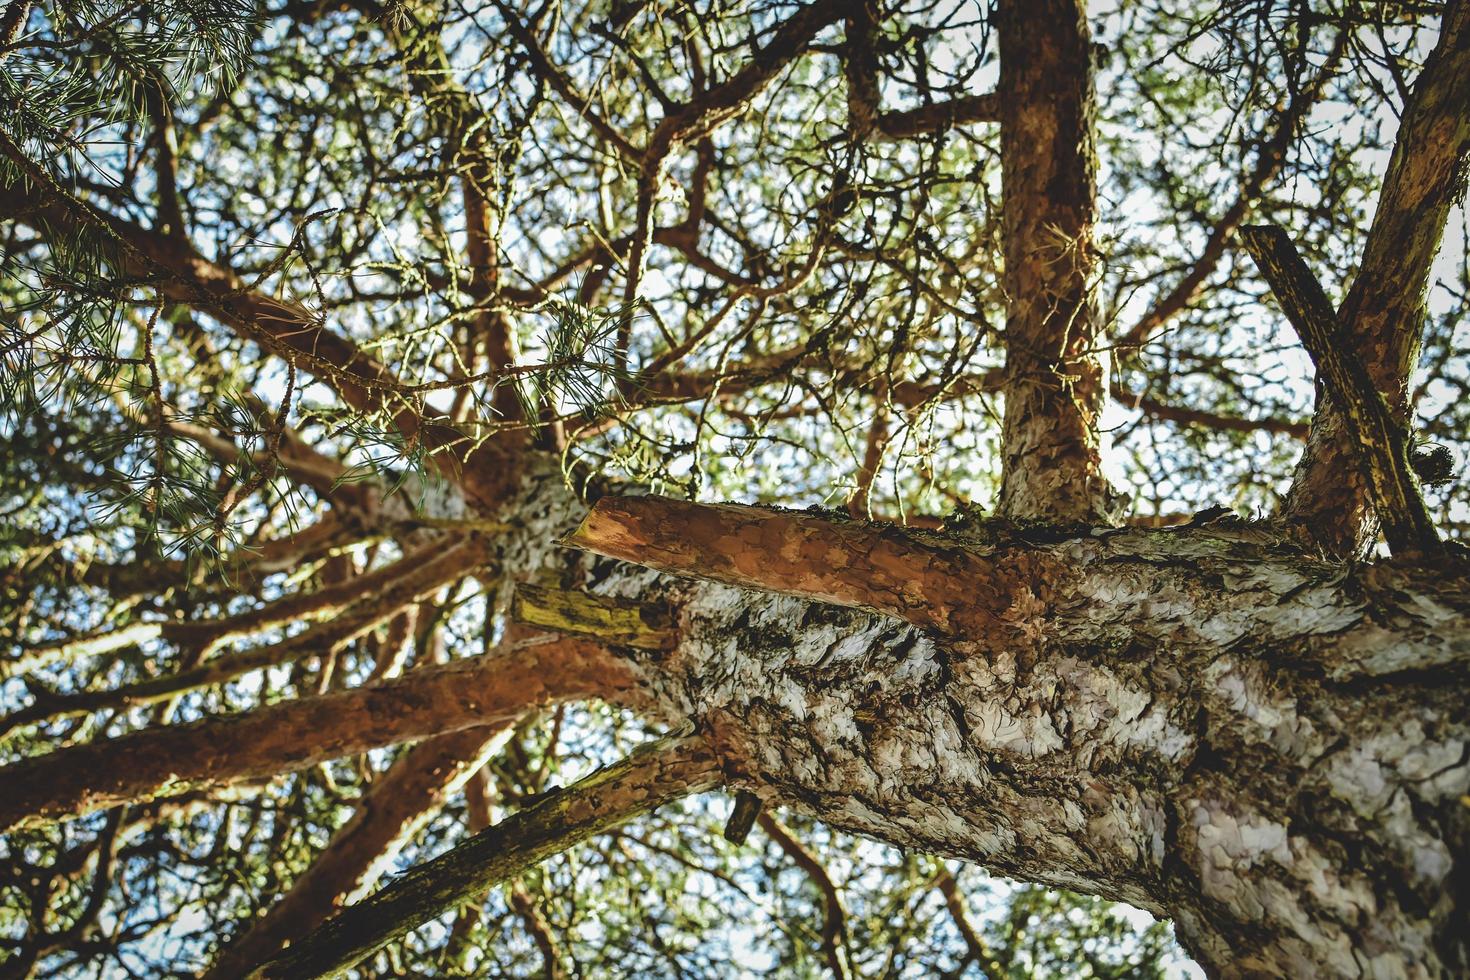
(939, 117)
(977, 950)
(396, 805)
(776, 367)
(185, 276)
(11, 24)
(1382, 319)
(884, 569)
(540, 931)
(295, 735)
(706, 111)
(564, 86)
(412, 579)
(1269, 159)
(1380, 442)
(653, 776)
(205, 636)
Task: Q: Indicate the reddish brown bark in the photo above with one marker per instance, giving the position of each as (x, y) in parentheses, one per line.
(1052, 461)
(1383, 315)
(294, 735)
(861, 565)
(395, 807)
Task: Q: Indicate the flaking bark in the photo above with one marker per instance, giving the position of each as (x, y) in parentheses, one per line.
(1270, 749)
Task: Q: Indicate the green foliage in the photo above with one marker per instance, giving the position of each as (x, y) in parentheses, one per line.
(799, 285)
(582, 369)
(81, 79)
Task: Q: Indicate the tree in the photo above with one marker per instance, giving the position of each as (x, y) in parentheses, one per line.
(387, 375)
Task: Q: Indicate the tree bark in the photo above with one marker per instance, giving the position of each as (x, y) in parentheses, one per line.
(1271, 750)
(295, 735)
(1383, 315)
(1052, 461)
(658, 774)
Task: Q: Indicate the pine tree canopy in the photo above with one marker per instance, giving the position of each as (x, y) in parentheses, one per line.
(731, 488)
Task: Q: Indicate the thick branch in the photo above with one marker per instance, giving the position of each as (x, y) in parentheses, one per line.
(395, 807)
(1379, 440)
(1052, 463)
(296, 735)
(655, 775)
(850, 564)
(1382, 319)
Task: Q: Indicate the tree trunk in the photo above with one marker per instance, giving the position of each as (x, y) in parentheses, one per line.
(1052, 464)
(1269, 749)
